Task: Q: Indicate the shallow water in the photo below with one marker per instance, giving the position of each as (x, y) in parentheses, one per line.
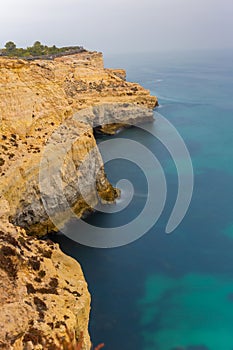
(168, 292)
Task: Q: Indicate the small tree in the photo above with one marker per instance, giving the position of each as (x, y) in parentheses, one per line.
(37, 44)
(37, 48)
(10, 46)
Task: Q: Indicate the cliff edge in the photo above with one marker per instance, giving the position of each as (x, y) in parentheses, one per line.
(43, 292)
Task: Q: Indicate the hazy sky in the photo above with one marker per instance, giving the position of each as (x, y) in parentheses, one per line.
(119, 25)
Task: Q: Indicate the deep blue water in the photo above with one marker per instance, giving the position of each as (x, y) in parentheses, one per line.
(168, 292)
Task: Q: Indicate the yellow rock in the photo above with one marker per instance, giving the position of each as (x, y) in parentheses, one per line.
(43, 291)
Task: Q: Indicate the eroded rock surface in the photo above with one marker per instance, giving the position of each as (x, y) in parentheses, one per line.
(43, 293)
(39, 97)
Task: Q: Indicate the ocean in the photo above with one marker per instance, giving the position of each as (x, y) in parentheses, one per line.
(171, 291)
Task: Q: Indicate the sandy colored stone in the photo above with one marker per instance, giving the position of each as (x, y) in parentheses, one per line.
(42, 292)
(38, 98)
(48, 109)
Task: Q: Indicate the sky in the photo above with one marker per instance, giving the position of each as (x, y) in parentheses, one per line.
(119, 26)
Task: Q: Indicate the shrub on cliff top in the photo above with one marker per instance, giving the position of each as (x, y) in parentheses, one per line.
(10, 46)
(37, 49)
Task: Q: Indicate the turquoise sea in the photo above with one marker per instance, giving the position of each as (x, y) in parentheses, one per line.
(172, 292)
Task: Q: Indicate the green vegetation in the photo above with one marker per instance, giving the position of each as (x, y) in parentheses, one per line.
(36, 50)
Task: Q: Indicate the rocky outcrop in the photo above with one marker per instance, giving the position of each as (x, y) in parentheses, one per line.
(40, 96)
(36, 94)
(68, 146)
(48, 112)
(43, 292)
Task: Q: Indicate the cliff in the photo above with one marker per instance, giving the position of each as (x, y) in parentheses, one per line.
(43, 292)
(38, 97)
(55, 104)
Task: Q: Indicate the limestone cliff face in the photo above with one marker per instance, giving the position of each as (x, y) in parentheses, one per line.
(36, 98)
(53, 105)
(36, 94)
(43, 292)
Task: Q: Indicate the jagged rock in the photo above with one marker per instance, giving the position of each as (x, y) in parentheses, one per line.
(42, 291)
(48, 111)
(36, 106)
